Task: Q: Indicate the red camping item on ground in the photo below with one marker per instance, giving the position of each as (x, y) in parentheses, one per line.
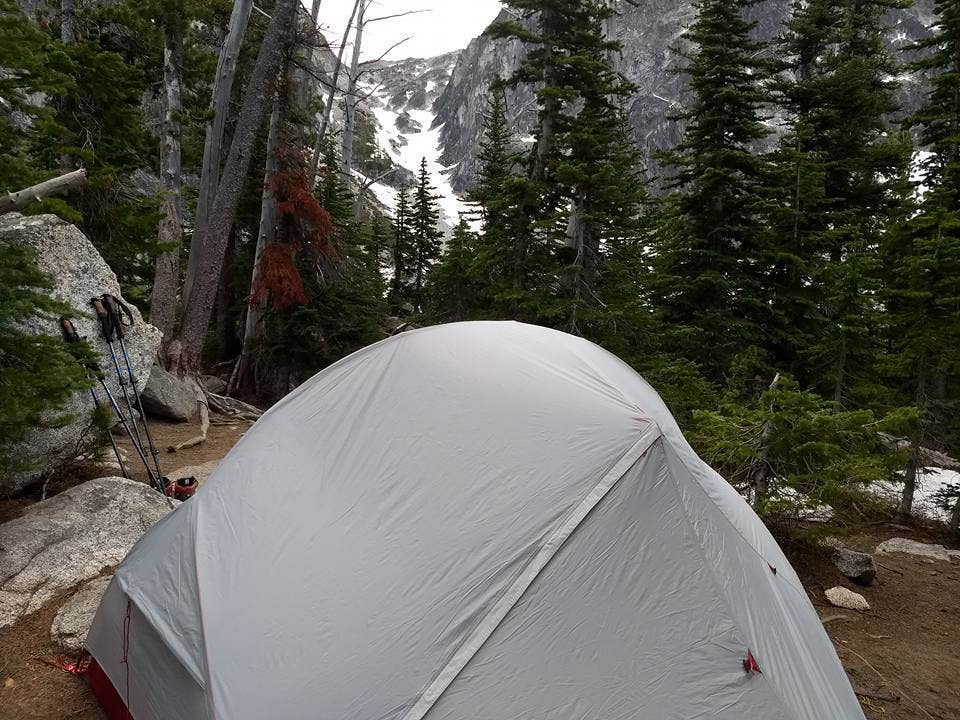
(107, 694)
(750, 664)
(182, 489)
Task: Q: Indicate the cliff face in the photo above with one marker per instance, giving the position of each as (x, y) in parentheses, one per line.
(649, 32)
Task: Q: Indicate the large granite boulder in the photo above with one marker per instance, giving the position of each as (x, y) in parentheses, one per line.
(167, 396)
(79, 273)
(71, 538)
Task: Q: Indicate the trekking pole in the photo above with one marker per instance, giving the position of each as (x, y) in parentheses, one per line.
(117, 311)
(71, 336)
(109, 333)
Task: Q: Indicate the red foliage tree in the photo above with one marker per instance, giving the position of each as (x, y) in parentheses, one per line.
(303, 225)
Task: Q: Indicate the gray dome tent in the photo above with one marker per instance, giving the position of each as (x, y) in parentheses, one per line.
(478, 520)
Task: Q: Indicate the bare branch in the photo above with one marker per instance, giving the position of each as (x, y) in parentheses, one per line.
(395, 15)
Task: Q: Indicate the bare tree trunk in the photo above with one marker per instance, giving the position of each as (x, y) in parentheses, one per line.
(166, 279)
(213, 142)
(350, 101)
(331, 96)
(199, 303)
(68, 22)
(909, 484)
(314, 14)
(838, 384)
(68, 35)
(266, 235)
(21, 198)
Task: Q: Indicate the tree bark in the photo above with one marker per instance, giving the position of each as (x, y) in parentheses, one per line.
(68, 22)
(21, 198)
(199, 303)
(350, 101)
(266, 234)
(909, 485)
(314, 14)
(166, 279)
(331, 96)
(213, 142)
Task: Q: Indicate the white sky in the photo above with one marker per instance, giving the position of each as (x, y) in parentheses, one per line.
(448, 25)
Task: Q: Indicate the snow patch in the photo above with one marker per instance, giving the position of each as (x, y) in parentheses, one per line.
(929, 483)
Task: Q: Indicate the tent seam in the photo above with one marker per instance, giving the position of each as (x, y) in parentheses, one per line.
(514, 592)
(772, 689)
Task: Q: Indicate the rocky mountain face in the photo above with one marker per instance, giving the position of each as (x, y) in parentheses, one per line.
(649, 31)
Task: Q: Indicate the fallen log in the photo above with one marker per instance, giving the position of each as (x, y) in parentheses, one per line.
(20, 199)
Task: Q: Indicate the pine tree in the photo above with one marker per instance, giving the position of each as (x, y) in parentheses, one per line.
(425, 235)
(842, 176)
(452, 290)
(404, 256)
(498, 267)
(922, 261)
(711, 263)
(580, 189)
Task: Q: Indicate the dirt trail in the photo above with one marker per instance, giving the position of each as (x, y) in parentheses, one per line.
(903, 657)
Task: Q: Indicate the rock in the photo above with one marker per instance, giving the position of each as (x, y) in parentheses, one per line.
(912, 547)
(168, 397)
(71, 538)
(73, 621)
(200, 472)
(78, 273)
(841, 597)
(214, 384)
(857, 566)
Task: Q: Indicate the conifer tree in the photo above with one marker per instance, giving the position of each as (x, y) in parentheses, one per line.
(403, 255)
(579, 189)
(711, 263)
(452, 287)
(922, 261)
(425, 235)
(498, 267)
(843, 174)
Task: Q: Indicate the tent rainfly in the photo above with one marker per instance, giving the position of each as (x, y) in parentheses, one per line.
(478, 520)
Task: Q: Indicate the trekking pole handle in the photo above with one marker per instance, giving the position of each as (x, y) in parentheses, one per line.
(69, 330)
(106, 324)
(70, 334)
(117, 312)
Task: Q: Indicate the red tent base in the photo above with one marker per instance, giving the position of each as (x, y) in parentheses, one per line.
(106, 693)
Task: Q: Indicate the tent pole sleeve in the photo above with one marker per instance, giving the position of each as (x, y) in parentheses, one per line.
(519, 586)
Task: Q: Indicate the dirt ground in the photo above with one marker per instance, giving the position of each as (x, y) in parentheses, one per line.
(903, 656)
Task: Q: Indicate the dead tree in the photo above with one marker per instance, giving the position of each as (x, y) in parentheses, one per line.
(198, 305)
(331, 96)
(166, 279)
(350, 100)
(62, 183)
(213, 141)
(265, 235)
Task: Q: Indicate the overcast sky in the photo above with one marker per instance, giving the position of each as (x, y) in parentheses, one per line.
(448, 25)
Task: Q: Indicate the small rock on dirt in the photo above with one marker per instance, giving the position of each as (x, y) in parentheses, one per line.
(912, 547)
(73, 621)
(856, 566)
(167, 396)
(843, 598)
